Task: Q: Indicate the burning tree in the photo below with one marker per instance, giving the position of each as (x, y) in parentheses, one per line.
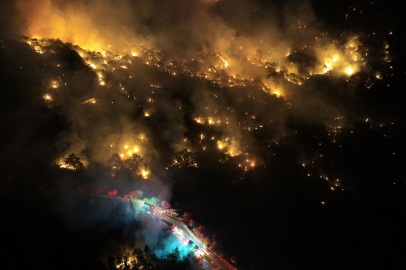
(185, 158)
(133, 163)
(73, 162)
(115, 162)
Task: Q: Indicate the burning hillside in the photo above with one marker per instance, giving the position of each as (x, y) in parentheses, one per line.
(233, 113)
(208, 97)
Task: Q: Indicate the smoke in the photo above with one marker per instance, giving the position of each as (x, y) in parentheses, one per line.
(226, 79)
(180, 28)
(257, 51)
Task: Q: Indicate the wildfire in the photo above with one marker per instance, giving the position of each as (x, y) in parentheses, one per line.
(54, 84)
(225, 63)
(228, 146)
(91, 101)
(145, 173)
(344, 57)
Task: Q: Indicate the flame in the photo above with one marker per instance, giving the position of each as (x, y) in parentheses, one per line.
(145, 173)
(225, 63)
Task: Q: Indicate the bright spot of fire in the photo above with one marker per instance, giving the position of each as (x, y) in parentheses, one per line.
(91, 100)
(145, 173)
(349, 71)
(54, 84)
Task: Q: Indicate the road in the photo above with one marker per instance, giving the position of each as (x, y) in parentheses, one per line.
(182, 229)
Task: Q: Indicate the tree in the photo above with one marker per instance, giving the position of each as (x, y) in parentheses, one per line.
(135, 193)
(139, 195)
(153, 257)
(186, 216)
(185, 158)
(80, 190)
(115, 162)
(213, 244)
(100, 190)
(146, 249)
(125, 264)
(165, 204)
(174, 256)
(73, 162)
(153, 201)
(200, 231)
(112, 192)
(133, 163)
